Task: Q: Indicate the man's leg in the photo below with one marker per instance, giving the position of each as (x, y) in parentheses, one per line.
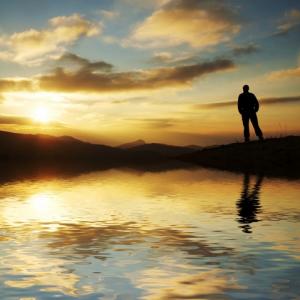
(245, 119)
(254, 122)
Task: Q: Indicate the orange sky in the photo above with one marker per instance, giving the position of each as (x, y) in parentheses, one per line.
(166, 71)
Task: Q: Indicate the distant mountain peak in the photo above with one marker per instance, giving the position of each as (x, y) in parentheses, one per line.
(133, 144)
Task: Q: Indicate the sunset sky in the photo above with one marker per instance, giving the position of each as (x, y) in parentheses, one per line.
(169, 71)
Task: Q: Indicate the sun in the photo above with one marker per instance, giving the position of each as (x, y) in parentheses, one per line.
(41, 115)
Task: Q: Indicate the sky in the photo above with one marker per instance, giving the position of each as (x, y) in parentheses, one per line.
(167, 71)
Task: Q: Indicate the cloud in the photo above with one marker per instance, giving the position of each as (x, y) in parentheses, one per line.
(109, 14)
(25, 121)
(196, 23)
(154, 123)
(15, 120)
(290, 21)
(264, 101)
(97, 77)
(162, 57)
(174, 59)
(145, 4)
(109, 39)
(15, 85)
(245, 49)
(88, 81)
(71, 60)
(282, 74)
(35, 46)
(280, 100)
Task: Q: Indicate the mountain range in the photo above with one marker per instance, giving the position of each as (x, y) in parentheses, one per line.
(275, 156)
(16, 146)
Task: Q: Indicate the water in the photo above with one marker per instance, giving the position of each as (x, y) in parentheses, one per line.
(123, 234)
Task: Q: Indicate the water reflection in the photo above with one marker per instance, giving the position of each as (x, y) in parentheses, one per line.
(249, 203)
(120, 234)
(59, 261)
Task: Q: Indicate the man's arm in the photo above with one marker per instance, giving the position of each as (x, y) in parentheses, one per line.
(255, 103)
(240, 107)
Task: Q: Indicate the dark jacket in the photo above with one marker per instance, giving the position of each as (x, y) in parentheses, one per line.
(247, 103)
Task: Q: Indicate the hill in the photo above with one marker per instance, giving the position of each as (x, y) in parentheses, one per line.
(43, 148)
(275, 156)
(163, 149)
(132, 144)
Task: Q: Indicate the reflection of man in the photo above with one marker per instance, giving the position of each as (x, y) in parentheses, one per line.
(248, 205)
(248, 107)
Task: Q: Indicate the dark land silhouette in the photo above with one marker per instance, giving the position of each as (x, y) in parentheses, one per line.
(15, 146)
(170, 150)
(162, 149)
(273, 157)
(132, 144)
(45, 156)
(29, 147)
(248, 205)
(278, 157)
(248, 106)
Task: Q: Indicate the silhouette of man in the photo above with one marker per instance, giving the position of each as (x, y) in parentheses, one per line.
(248, 107)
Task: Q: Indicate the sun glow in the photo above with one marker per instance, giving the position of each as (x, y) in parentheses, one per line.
(44, 207)
(41, 115)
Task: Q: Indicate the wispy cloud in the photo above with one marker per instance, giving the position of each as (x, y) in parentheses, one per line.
(154, 123)
(175, 59)
(290, 21)
(192, 57)
(25, 121)
(144, 4)
(193, 22)
(72, 60)
(35, 46)
(286, 73)
(15, 85)
(264, 101)
(239, 50)
(14, 120)
(108, 14)
(162, 57)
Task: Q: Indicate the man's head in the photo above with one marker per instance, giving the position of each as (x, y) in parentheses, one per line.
(246, 88)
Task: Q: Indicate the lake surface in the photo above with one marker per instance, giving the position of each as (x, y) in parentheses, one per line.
(124, 234)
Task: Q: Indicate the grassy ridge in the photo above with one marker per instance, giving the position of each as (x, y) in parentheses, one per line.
(276, 156)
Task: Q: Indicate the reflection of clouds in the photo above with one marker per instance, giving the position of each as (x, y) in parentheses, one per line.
(152, 235)
(36, 270)
(205, 285)
(189, 243)
(55, 260)
(85, 240)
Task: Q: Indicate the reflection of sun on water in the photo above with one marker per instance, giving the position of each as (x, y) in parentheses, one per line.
(38, 208)
(89, 219)
(44, 207)
(40, 202)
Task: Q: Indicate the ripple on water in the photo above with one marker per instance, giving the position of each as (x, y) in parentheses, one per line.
(171, 235)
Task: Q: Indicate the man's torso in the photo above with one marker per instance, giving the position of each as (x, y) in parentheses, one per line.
(247, 103)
